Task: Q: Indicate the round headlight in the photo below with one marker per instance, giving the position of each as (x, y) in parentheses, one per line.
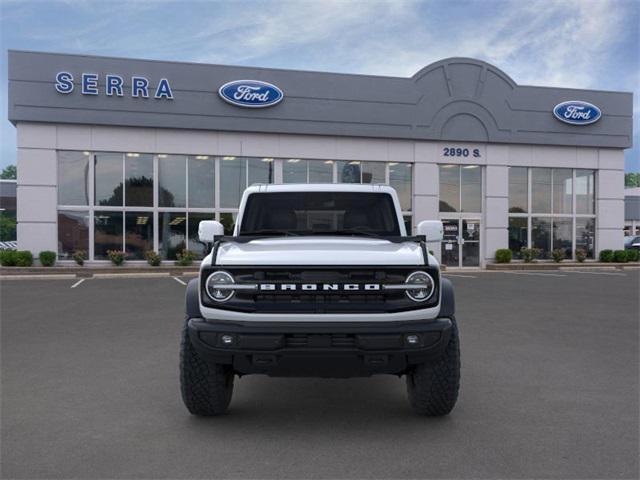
(217, 286)
(425, 286)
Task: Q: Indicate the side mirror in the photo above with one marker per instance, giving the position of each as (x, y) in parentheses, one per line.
(431, 229)
(209, 229)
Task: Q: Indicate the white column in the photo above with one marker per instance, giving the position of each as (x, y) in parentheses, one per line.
(37, 188)
(426, 187)
(610, 200)
(496, 210)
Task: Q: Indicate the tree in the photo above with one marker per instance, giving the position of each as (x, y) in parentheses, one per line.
(632, 180)
(9, 173)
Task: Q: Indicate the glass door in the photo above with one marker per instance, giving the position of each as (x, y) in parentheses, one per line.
(470, 244)
(450, 245)
(461, 242)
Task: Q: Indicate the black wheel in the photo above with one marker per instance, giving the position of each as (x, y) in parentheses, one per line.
(433, 386)
(206, 387)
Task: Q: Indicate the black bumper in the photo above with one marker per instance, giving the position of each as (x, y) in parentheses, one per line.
(319, 350)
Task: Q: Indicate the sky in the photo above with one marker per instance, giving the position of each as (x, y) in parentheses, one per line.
(561, 43)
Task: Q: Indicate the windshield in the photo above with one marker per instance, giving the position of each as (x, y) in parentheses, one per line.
(318, 213)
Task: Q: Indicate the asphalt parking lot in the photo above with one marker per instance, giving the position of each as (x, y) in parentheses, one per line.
(549, 390)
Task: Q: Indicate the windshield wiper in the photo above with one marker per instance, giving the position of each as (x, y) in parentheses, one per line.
(267, 231)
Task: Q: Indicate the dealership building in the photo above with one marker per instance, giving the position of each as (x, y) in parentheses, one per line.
(130, 154)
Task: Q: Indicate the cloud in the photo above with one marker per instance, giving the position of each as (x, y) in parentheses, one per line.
(570, 43)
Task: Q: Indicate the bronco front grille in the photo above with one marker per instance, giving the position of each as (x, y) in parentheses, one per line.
(321, 301)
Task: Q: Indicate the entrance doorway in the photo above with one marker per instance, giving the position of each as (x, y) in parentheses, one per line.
(461, 242)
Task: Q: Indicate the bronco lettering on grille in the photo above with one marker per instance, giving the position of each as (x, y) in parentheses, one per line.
(319, 286)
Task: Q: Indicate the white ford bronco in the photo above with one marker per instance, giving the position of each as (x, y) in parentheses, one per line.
(320, 281)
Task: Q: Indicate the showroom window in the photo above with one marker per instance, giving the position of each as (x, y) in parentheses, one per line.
(138, 201)
(551, 208)
(460, 188)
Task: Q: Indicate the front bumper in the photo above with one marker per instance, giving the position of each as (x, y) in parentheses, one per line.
(321, 349)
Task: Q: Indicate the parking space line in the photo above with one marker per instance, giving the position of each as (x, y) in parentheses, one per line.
(538, 274)
(599, 273)
(178, 280)
(78, 283)
(457, 275)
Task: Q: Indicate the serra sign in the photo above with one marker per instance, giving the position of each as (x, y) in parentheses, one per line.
(577, 112)
(113, 85)
(250, 93)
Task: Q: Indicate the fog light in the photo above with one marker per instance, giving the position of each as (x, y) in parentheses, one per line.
(412, 339)
(226, 339)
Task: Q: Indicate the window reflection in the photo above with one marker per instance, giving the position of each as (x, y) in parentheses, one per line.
(349, 172)
(233, 181)
(562, 235)
(517, 235)
(108, 179)
(320, 171)
(73, 232)
(260, 170)
(73, 178)
(541, 190)
(201, 181)
(107, 233)
(400, 178)
(138, 171)
(541, 235)
(449, 188)
(585, 235)
(294, 170)
(172, 230)
(373, 172)
(172, 188)
(562, 190)
(471, 190)
(585, 192)
(518, 190)
(138, 234)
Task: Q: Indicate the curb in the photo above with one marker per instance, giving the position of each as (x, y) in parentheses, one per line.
(561, 266)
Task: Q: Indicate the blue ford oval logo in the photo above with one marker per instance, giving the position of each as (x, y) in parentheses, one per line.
(577, 112)
(251, 93)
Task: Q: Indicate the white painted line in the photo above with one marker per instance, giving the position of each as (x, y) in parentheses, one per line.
(178, 280)
(536, 273)
(598, 273)
(78, 283)
(456, 275)
(131, 275)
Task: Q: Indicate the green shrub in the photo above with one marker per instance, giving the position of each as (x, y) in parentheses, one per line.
(530, 254)
(185, 258)
(606, 255)
(633, 255)
(526, 254)
(620, 256)
(558, 255)
(153, 258)
(503, 255)
(47, 258)
(24, 258)
(117, 257)
(581, 254)
(80, 256)
(8, 258)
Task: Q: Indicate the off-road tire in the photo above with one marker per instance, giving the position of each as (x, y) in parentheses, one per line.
(206, 387)
(433, 386)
